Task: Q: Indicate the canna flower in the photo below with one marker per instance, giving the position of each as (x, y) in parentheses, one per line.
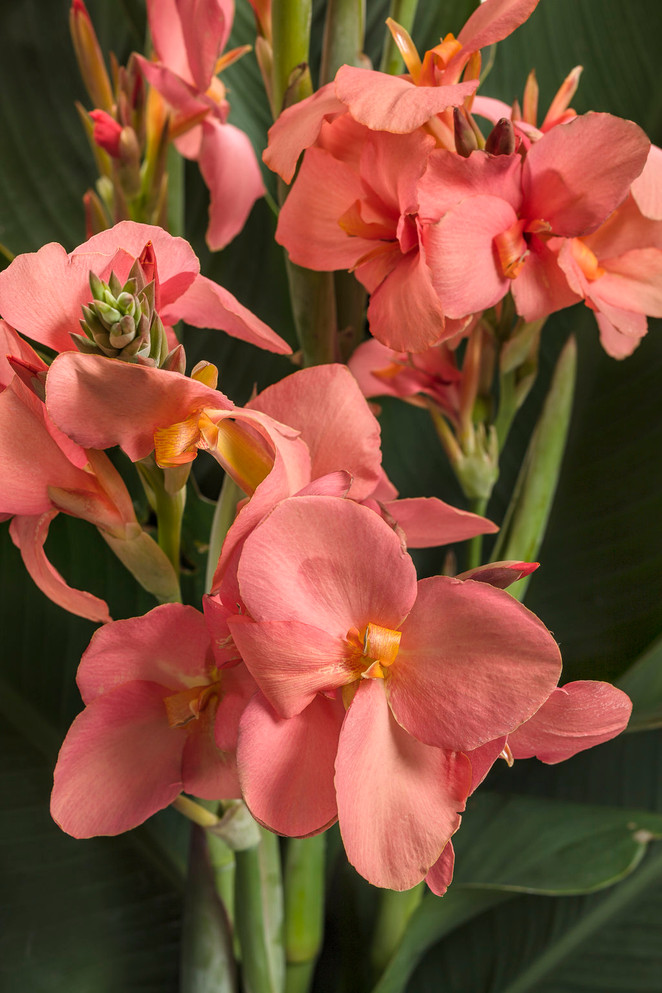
(487, 221)
(42, 293)
(424, 672)
(188, 38)
(159, 718)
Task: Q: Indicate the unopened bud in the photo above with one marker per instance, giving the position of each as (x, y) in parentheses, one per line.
(501, 139)
(90, 59)
(465, 138)
(107, 132)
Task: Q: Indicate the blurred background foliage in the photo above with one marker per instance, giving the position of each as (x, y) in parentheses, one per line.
(104, 915)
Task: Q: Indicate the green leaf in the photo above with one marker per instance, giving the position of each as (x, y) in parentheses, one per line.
(643, 684)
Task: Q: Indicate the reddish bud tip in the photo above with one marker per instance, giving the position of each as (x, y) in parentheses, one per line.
(107, 132)
(501, 139)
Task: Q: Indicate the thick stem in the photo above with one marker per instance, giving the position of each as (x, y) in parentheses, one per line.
(314, 309)
(259, 916)
(290, 20)
(226, 508)
(304, 909)
(395, 909)
(344, 30)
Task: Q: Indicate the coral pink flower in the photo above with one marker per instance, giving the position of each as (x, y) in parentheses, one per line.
(487, 220)
(159, 718)
(353, 206)
(188, 36)
(575, 717)
(45, 473)
(41, 293)
(424, 669)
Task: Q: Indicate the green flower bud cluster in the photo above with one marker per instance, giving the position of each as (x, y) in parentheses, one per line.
(121, 321)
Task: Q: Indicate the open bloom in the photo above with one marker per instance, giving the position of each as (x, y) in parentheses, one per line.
(422, 670)
(188, 38)
(159, 718)
(42, 293)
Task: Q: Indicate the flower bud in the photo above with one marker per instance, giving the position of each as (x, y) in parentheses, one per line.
(501, 139)
(90, 59)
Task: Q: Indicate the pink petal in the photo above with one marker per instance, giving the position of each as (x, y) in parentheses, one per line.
(165, 28)
(169, 645)
(461, 257)
(205, 30)
(427, 521)
(29, 535)
(541, 287)
(175, 87)
(405, 311)
(291, 662)
(633, 281)
(473, 664)
(178, 265)
(231, 172)
(500, 574)
(614, 342)
(100, 402)
(570, 181)
(208, 772)
(398, 800)
(440, 875)
(493, 21)
(647, 187)
(286, 766)
(41, 295)
(576, 716)
(308, 223)
(11, 344)
(341, 433)
(338, 566)
(297, 128)
(392, 103)
(30, 456)
(449, 178)
(207, 305)
(119, 763)
(483, 758)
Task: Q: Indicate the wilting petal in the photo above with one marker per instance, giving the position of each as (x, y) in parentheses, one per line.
(405, 312)
(570, 182)
(398, 800)
(119, 763)
(169, 645)
(207, 305)
(440, 875)
(291, 662)
(392, 103)
(342, 433)
(338, 565)
(286, 766)
(298, 127)
(576, 716)
(230, 170)
(29, 535)
(473, 664)
(100, 402)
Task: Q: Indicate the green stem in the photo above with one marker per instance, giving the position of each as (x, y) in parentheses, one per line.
(226, 508)
(314, 310)
(176, 215)
(344, 31)
(304, 909)
(168, 504)
(404, 12)
(259, 915)
(395, 909)
(475, 544)
(290, 22)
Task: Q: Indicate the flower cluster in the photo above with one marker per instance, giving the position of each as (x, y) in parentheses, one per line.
(399, 185)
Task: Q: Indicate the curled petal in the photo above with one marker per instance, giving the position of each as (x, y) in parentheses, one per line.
(29, 535)
(230, 170)
(298, 127)
(427, 521)
(440, 875)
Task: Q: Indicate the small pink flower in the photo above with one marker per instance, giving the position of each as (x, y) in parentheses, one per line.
(159, 718)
